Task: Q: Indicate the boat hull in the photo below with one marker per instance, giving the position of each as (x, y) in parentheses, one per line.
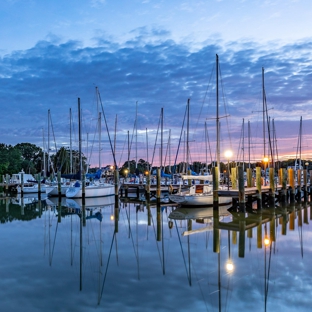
(91, 191)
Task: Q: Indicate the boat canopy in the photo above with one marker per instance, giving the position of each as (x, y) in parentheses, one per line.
(198, 177)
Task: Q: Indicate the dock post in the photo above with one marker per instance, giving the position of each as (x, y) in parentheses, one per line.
(241, 189)
(249, 184)
(234, 178)
(39, 186)
(291, 185)
(283, 182)
(310, 186)
(298, 193)
(22, 184)
(305, 186)
(158, 190)
(259, 232)
(148, 187)
(116, 180)
(258, 185)
(215, 182)
(59, 187)
(7, 181)
(83, 188)
(272, 187)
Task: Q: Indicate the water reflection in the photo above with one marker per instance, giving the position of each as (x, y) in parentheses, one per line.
(117, 255)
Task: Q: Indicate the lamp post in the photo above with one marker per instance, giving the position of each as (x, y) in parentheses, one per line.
(228, 154)
(265, 161)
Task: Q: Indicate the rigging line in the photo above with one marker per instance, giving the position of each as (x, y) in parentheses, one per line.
(187, 274)
(225, 110)
(268, 128)
(208, 140)
(123, 148)
(155, 141)
(204, 99)
(106, 270)
(175, 161)
(53, 134)
(110, 142)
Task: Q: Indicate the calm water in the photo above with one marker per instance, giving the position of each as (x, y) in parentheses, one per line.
(134, 259)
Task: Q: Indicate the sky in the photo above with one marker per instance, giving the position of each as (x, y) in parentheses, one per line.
(145, 56)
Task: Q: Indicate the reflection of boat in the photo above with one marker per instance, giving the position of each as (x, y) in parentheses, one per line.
(76, 203)
(186, 213)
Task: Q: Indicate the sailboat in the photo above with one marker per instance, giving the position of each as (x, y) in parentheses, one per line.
(95, 189)
(201, 194)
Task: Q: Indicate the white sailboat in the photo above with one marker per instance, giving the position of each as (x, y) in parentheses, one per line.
(96, 189)
(201, 193)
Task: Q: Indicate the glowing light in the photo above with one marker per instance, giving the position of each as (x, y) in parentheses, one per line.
(228, 154)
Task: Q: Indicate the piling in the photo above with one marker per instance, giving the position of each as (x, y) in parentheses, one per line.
(22, 184)
(258, 185)
(148, 187)
(158, 189)
(298, 193)
(249, 177)
(215, 182)
(305, 186)
(291, 182)
(59, 187)
(283, 182)
(83, 188)
(234, 178)
(272, 187)
(259, 233)
(241, 189)
(39, 186)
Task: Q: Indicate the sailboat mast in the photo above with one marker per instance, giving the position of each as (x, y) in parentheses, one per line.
(136, 135)
(100, 138)
(243, 144)
(206, 147)
(263, 111)
(161, 137)
(79, 136)
(70, 142)
(217, 111)
(248, 144)
(187, 134)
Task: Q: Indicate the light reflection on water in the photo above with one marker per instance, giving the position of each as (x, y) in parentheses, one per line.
(131, 257)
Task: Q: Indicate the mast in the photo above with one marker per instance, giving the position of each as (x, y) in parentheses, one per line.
(100, 138)
(243, 144)
(248, 144)
(147, 149)
(136, 135)
(206, 147)
(44, 155)
(70, 142)
(263, 110)
(79, 136)
(187, 135)
(217, 111)
(161, 137)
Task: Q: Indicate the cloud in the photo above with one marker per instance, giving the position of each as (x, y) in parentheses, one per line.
(156, 72)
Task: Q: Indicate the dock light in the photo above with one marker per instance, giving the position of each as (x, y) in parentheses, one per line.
(112, 217)
(228, 154)
(146, 172)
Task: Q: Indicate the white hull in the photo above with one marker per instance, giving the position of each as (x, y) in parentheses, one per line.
(31, 189)
(53, 190)
(91, 191)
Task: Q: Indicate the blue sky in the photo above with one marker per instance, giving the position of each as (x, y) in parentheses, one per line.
(159, 54)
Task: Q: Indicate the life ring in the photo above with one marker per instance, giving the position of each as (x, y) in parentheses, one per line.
(170, 224)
